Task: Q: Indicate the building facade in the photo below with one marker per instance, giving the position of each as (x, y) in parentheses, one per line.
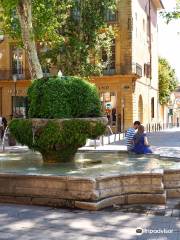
(14, 79)
(129, 86)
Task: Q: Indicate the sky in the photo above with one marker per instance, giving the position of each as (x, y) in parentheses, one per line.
(169, 39)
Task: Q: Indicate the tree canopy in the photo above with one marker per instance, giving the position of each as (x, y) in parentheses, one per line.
(167, 81)
(175, 14)
(69, 32)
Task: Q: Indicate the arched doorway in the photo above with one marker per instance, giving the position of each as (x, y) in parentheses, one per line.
(140, 109)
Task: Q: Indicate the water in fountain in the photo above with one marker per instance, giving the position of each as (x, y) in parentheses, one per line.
(86, 164)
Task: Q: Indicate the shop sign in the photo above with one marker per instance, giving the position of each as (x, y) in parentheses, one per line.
(103, 88)
(125, 87)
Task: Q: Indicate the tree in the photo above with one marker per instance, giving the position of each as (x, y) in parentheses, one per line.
(86, 34)
(167, 81)
(173, 14)
(33, 21)
(60, 26)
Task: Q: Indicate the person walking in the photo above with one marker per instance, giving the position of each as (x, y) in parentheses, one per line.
(1, 128)
(141, 145)
(130, 134)
(3, 125)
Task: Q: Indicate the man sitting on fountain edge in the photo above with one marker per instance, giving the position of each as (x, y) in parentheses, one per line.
(130, 134)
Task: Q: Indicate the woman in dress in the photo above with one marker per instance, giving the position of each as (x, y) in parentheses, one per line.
(141, 145)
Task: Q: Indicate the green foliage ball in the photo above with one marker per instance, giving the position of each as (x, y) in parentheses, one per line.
(63, 97)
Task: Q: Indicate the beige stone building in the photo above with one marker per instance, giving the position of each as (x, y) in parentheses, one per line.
(129, 86)
(14, 79)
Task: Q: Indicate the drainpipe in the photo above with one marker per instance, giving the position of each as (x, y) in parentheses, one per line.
(150, 56)
(150, 42)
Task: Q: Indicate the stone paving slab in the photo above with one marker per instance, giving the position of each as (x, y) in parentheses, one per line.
(41, 223)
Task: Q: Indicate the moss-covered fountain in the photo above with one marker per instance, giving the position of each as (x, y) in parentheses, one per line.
(63, 113)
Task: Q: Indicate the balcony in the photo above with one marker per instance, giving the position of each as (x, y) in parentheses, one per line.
(10, 74)
(137, 69)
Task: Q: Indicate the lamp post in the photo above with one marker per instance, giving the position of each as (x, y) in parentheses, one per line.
(123, 113)
(15, 91)
(60, 73)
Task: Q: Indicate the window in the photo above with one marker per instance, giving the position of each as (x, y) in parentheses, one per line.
(110, 16)
(144, 25)
(147, 70)
(75, 12)
(148, 27)
(46, 71)
(17, 62)
(136, 16)
(152, 107)
(19, 106)
(109, 61)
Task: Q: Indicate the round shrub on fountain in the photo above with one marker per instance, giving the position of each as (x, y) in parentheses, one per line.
(65, 97)
(63, 113)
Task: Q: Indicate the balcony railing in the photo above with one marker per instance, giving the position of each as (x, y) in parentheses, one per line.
(137, 69)
(9, 74)
(109, 71)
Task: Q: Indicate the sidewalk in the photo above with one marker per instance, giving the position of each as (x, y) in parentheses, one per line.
(43, 223)
(165, 143)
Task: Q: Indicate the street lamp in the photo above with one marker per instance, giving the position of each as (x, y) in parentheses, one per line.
(14, 102)
(123, 112)
(60, 73)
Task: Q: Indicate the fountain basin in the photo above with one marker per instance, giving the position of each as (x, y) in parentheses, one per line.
(93, 183)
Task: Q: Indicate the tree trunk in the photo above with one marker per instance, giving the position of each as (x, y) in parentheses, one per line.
(24, 11)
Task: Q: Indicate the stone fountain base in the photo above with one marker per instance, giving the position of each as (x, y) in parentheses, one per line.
(90, 193)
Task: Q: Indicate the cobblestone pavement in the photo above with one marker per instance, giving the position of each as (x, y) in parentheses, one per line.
(42, 223)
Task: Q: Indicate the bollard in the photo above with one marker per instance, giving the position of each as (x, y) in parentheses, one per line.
(108, 139)
(114, 137)
(102, 140)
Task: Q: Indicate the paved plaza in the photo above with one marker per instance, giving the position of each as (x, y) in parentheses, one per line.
(165, 143)
(42, 223)
(153, 222)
